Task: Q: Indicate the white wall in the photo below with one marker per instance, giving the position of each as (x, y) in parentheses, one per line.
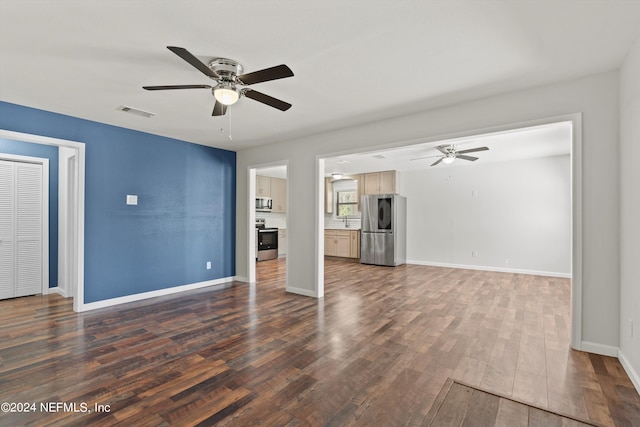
(516, 215)
(630, 213)
(596, 97)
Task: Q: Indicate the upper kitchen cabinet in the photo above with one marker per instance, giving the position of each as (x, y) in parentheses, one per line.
(381, 182)
(279, 195)
(276, 188)
(328, 195)
(263, 186)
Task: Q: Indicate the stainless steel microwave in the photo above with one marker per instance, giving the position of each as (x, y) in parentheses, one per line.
(264, 204)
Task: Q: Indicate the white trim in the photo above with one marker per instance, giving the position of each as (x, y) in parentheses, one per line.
(601, 349)
(57, 290)
(78, 300)
(242, 279)
(251, 224)
(44, 238)
(67, 210)
(300, 291)
(576, 232)
(319, 228)
(628, 367)
(489, 268)
(151, 294)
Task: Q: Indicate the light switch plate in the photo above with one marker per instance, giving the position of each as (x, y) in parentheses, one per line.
(132, 199)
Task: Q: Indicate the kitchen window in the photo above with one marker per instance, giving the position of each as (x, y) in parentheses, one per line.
(347, 203)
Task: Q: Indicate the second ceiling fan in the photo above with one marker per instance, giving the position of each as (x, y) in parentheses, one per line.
(450, 154)
(229, 80)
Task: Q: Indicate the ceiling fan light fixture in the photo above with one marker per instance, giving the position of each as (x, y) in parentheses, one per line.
(226, 94)
(448, 159)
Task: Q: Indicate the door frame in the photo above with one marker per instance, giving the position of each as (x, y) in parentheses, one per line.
(44, 238)
(576, 203)
(251, 217)
(79, 185)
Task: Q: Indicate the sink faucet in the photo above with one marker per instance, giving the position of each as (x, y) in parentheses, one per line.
(346, 221)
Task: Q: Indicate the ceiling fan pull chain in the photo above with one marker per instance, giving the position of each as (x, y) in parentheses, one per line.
(229, 124)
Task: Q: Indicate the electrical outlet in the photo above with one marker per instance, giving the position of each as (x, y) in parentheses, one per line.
(474, 253)
(506, 261)
(208, 265)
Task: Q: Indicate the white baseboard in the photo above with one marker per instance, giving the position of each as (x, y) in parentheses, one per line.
(241, 279)
(601, 349)
(57, 290)
(489, 268)
(151, 294)
(633, 374)
(300, 291)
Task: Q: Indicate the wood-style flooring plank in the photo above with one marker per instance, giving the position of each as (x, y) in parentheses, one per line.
(376, 350)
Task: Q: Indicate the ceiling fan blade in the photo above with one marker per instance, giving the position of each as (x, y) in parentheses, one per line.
(273, 73)
(219, 109)
(443, 149)
(463, 157)
(191, 59)
(437, 161)
(266, 99)
(176, 87)
(426, 157)
(472, 150)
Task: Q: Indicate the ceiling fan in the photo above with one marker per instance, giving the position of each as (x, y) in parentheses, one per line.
(228, 78)
(450, 154)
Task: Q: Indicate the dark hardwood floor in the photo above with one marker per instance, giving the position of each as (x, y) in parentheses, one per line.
(374, 352)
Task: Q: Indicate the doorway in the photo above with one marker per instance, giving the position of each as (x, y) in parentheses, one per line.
(71, 258)
(270, 184)
(325, 165)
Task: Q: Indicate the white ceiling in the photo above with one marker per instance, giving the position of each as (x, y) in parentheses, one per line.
(538, 141)
(526, 143)
(354, 61)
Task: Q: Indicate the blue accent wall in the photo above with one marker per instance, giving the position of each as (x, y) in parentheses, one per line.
(186, 204)
(47, 152)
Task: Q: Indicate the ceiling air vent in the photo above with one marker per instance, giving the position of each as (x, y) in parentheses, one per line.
(136, 111)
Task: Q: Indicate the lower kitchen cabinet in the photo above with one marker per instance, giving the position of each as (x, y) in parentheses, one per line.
(282, 242)
(342, 243)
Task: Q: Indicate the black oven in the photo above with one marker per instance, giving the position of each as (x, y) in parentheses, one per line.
(266, 243)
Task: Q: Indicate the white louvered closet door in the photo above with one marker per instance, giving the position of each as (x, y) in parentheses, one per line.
(20, 229)
(7, 228)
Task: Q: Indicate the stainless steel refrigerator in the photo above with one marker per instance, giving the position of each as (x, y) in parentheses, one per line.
(384, 231)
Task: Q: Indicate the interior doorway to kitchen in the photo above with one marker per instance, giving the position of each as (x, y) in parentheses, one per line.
(401, 157)
(268, 221)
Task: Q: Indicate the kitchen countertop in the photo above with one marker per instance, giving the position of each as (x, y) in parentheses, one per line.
(342, 228)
